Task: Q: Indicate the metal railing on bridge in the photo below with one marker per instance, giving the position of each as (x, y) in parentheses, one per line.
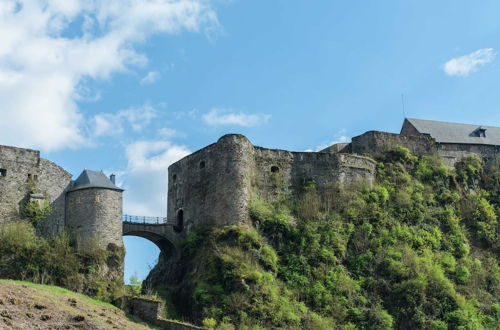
(144, 219)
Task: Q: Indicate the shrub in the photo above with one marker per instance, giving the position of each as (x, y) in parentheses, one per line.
(419, 249)
(37, 211)
(26, 256)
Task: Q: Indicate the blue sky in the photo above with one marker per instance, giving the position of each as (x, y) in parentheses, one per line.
(131, 86)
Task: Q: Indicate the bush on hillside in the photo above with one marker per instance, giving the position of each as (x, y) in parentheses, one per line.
(26, 256)
(419, 249)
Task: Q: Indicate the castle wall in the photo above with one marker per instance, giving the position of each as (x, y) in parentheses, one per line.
(293, 170)
(95, 210)
(355, 168)
(454, 152)
(26, 171)
(211, 185)
(218, 192)
(272, 169)
(17, 163)
(338, 148)
(409, 129)
(53, 181)
(374, 142)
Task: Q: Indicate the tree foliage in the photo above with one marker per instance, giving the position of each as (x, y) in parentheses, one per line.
(24, 255)
(418, 250)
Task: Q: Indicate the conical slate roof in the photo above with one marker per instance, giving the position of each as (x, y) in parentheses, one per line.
(93, 179)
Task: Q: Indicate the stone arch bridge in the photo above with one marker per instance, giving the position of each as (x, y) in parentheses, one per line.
(155, 229)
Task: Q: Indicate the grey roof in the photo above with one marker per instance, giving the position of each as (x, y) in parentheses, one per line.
(93, 179)
(445, 132)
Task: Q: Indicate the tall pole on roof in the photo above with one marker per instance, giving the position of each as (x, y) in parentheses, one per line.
(403, 102)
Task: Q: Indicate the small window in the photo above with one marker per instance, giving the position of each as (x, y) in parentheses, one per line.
(32, 177)
(3, 172)
(174, 177)
(97, 198)
(202, 164)
(481, 132)
(275, 169)
(78, 200)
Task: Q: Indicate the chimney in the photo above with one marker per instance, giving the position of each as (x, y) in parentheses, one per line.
(112, 177)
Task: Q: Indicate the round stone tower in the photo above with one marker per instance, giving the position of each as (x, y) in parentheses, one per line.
(94, 211)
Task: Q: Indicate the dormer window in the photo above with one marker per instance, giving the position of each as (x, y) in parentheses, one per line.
(481, 132)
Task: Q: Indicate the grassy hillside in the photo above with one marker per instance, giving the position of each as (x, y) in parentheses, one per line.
(27, 255)
(419, 249)
(25, 305)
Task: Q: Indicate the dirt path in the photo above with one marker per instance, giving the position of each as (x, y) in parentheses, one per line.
(30, 306)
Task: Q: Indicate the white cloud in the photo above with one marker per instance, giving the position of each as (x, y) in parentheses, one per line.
(146, 179)
(107, 124)
(112, 124)
(193, 114)
(138, 118)
(167, 132)
(50, 50)
(150, 78)
(217, 117)
(464, 65)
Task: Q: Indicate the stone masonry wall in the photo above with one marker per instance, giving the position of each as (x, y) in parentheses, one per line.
(53, 181)
(46, 178)
(338, 148)
(150, 311)
(296, 169)
(374, 142)
(213, 186)
(355, 168)
(210, 185)
(18, 164)
(409, 129)
(94, 215)
(272, 169)
(452, 153)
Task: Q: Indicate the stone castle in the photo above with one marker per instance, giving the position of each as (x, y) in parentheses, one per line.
(213, 186)
(89, 207)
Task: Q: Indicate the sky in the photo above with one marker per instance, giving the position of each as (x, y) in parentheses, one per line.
(131, 86)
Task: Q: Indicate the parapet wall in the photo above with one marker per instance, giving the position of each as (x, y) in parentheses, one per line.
(213, 186)
(375, 142)
(15, 166)
(354, 168)
(151, 311)
(454, 152)
(296, 169)
(53, 181)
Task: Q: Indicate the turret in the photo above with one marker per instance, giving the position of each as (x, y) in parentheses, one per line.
(94, 210)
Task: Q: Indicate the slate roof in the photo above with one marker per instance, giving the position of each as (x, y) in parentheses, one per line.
(93, 179)
(446, 132)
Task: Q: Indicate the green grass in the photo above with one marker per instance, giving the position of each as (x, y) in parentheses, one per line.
(59, 291)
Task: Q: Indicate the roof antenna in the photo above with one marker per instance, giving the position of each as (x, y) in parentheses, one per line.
(403, 102)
